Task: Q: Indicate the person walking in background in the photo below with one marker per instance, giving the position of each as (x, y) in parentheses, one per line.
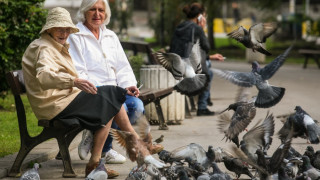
(185, 35)
(56, 92)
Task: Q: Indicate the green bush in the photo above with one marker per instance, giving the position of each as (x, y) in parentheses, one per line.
(20, 23)
(136, 62)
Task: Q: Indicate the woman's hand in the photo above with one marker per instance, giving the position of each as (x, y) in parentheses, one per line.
(133, 91)
(85, 86)
(217, 57)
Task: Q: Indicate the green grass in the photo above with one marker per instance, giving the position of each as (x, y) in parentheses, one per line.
(9, 129)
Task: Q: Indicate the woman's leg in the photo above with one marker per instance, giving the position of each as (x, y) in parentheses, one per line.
(123, 122)
(99, 139)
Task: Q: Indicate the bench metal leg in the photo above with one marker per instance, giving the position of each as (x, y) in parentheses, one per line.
(63, 146)
(162, 123)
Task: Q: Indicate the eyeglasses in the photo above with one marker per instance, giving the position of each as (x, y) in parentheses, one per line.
(63, 30)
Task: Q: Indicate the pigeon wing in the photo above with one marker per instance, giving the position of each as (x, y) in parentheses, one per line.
(269, 70)
(238, 34)
(195, 58)
(144, 129)
(224, 121)
(242, 94)
(193, 150)
(243, 79)
(128, 141)
(263, 30)
(220, 153)
(172, 62)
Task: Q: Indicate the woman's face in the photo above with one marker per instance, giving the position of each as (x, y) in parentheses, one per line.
(95, 16)
(60, 34)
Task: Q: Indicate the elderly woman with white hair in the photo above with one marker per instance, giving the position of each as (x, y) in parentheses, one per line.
(100, 58)
(55, 91)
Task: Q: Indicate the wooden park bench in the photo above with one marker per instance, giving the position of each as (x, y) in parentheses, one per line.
(155, 95)
(63, 134)
(139, 47)
(310, 53)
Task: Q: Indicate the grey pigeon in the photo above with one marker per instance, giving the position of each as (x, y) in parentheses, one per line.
(237, 166)
(137, 173)
(292, 167)
(219, 153)
(259, 137)
(267, 95)
(195, 152)
(282, 174)
(100, 172)
(303, 126)
(309, 152)
(166, 156)
(257, 34)
(244, 112)
(216, 174)
(316, 160)
(31, 174)
(312, 172)
(185, 69)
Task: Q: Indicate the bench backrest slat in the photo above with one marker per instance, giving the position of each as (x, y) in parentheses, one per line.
(16, 82)
(137, 47)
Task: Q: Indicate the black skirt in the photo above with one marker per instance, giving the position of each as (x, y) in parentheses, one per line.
(92, 111)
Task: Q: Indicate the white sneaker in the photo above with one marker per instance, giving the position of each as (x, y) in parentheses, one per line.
(113, 157)
(85, 144)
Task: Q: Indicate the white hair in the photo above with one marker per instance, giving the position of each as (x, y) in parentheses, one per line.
(87, 4)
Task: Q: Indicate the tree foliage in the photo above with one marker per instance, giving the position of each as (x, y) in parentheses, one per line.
(20, 23)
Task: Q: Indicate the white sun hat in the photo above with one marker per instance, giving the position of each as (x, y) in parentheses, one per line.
(59, 17)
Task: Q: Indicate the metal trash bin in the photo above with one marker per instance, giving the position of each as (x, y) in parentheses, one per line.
(173, 106)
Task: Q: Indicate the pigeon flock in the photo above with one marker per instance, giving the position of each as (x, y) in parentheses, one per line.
(249, 155)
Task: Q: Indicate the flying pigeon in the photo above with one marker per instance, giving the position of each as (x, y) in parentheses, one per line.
(256, 35)
(303, 126)
(99, 173)
(31, 174)
(268, 95)
(259, 137)
(244, 112)
(138, 149)
(185, 69)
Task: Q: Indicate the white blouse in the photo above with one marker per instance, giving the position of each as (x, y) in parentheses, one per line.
(103, 61)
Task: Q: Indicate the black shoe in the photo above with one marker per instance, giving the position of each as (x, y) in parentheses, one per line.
(210, 103)
(205, 112)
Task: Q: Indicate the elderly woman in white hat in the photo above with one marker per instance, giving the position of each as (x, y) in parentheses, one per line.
(57, 93)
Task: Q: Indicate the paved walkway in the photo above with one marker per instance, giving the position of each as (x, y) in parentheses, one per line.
(302, 88)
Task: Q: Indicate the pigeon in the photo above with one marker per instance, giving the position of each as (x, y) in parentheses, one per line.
(138, 149)
(282, 174)
(303, 126)
(237, 166)
(99, 173)
(292, 153)
(312, 172)
(137, 173)
(292, 167)
(268, 95)
(316, 160)
(309, 152)
(219, 153)
(31, 174)
(257, 34)
(187, 70)
(195, 152)
(259, 137)
(244, 112)
(159, 140)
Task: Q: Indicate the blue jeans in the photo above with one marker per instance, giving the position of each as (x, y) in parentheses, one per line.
(202, 99)
(132, 105)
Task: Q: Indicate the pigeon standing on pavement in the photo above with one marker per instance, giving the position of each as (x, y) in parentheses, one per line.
(31, 174)
(99, 173)
(303, 126)
(316, 160)
(237, 166)
(312, 172)
(256, 35)
(185, 69)
(309, 152)
(159, 140)
(267, 95)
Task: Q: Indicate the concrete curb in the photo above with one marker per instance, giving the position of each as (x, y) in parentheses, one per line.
(41, 153)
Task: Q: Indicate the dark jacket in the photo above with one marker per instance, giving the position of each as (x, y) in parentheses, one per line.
(181, 42)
